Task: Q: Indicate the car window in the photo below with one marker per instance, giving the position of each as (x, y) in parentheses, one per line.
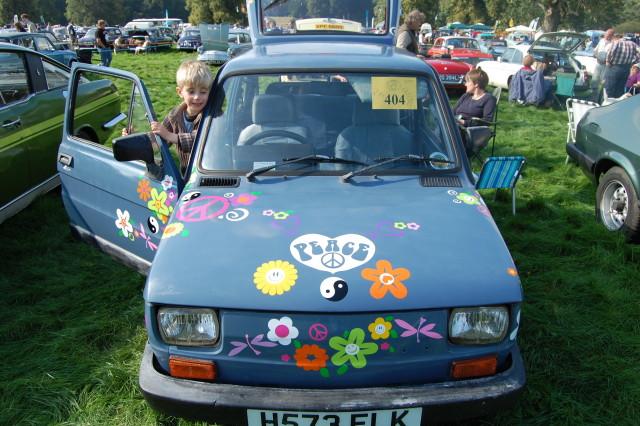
(264, 119)
(56, 77)
(507, 56)
(43, 44)
(24, 42)
(517, 57)
(14, 83)
(438, 43)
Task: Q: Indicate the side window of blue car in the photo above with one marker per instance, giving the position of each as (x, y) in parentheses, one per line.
(14, 82)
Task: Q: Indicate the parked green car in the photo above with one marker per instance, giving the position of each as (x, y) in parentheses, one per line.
(607, 150)
(32, 98)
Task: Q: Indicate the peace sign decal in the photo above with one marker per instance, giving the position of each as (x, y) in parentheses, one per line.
(202, 208)
(318, 332)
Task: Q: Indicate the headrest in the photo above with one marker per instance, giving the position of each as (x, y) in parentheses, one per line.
(272, 109)
(363, 115)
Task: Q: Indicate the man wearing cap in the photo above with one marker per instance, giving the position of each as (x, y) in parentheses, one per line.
(621, 56)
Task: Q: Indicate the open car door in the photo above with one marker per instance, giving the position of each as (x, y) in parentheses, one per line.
(119, 191)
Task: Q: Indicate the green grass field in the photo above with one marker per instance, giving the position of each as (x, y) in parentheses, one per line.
(72, 319)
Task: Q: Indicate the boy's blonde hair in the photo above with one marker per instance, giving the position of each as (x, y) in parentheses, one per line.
(194, 74)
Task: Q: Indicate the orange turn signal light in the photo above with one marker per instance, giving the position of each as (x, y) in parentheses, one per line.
(198, 369)
(478, 367)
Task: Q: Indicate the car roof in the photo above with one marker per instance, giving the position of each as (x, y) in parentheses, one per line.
(314, 56)
(10, 46)
(20, 35)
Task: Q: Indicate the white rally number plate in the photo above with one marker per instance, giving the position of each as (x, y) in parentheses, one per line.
(398, 417)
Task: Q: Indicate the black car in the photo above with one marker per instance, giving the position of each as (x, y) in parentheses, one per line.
(190, 39)
(89, 39)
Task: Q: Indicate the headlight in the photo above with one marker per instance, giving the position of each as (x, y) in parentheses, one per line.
(478, 326)
(188, 326)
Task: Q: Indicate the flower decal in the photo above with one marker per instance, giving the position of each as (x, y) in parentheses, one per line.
(171, 197)
(399, 225)
(311, 357)
(167, 182)
(380, 329)
(172, 230)
(243, 199)
(122, 222)
(280, 215)
(386, 280)
(282, 330)
(275, 277)
(468, 198)
(268, 213)
(353, 349)
(413, 226)
(144, 190)
(157, 203)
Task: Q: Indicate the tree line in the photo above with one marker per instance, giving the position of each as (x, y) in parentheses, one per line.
(553, 14)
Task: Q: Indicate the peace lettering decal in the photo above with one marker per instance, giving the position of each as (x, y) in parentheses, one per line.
(332, 254)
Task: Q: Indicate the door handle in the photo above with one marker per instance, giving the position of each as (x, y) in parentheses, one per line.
(65, 160)
(8, 123)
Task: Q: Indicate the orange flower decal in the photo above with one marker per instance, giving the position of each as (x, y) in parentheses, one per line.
(311, 357)
(144, 189)
(386, 279)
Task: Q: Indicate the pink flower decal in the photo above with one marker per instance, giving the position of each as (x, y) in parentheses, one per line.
(282, 330)
(268, 213)
(413, 226)
(243, 199)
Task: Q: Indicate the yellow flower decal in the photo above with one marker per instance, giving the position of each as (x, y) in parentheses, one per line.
(275, 277)
(158, 203)
(380, 329)
(172, 230)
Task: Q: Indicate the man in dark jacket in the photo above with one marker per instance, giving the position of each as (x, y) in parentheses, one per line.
(407, 37)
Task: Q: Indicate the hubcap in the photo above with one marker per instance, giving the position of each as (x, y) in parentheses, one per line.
(614, 205)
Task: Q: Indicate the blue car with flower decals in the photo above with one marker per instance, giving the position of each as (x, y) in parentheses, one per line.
(324, 259)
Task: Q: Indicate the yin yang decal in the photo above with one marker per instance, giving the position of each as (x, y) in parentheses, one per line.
(190, 196)
(334, 289)
(153, 225)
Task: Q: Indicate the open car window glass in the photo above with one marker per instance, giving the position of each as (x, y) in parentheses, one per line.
(365, 118)
(280, 17)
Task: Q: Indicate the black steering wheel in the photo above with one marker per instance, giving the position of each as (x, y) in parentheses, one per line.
(276, 132)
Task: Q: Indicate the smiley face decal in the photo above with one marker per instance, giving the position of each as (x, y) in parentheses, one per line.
(334, 289)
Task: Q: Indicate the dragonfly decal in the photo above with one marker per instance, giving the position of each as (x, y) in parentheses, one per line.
(256, 341)
(424, 329)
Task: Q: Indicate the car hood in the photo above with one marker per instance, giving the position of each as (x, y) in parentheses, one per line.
(280, 244)
(449, 66)
(561, 41)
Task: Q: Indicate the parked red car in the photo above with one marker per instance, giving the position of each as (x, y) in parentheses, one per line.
(464, 49)
(451, 72)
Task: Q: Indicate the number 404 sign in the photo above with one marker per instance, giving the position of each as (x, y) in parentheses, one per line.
(393, 93)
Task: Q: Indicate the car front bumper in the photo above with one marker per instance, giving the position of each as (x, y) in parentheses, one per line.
(228, 404)
(585, 162)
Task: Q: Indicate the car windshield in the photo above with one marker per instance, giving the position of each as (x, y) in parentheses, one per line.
(321, 16)
(192, 33)
(262, 120)
(462, 43)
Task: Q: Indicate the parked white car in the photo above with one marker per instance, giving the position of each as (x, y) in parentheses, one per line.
(556, 49)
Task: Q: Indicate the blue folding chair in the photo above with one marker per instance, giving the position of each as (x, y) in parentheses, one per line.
(501, 172)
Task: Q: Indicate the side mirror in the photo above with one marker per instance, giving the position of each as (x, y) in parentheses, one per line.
(133, 147)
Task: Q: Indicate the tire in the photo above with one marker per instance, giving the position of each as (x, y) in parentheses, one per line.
(617, 204)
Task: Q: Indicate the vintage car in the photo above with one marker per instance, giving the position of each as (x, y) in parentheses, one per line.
(189, 39)
(555, 49)
(325, 258)
(32, 102)
(451, 73)
(465, 49)
(157, 39)
(89, 39)
(239, 41)
(40, 43)
(606, 148)
(494, 46)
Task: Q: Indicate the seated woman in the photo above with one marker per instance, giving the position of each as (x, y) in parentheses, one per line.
(528, 86)
(633, 81)
(476, 102)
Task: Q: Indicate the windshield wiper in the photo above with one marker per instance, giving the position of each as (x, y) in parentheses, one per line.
(313, 158)
(384, 161)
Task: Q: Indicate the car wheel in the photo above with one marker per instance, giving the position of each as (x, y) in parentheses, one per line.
(617, 204)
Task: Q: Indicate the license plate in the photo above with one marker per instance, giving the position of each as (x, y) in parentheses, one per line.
(398, 417)
(450, 77)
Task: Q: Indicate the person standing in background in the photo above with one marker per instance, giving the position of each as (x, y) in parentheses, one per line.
(101, 44)
(600, 53)
(621, 56)
(73, 37)
(27, 24)
(407, 38)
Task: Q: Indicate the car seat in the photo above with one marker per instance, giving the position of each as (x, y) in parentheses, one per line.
(374, 134)
(271, 114)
